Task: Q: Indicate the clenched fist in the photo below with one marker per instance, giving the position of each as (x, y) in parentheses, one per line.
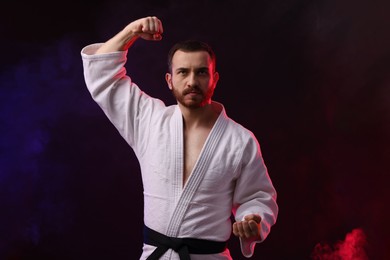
(148, 28)
(248, 228)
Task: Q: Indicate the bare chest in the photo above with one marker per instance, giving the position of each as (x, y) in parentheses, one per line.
(193, 144)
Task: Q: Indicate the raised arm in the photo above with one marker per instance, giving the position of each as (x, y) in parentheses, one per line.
(148, 28)
(113, 90)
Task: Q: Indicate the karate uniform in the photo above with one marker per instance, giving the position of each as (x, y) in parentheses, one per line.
(229, 175)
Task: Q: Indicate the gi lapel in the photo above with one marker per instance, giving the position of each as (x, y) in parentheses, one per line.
(184, 196)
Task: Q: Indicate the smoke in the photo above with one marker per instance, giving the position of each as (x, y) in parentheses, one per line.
(36, 93)
(352, 248)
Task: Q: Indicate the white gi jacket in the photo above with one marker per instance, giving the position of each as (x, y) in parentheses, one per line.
(229, 175)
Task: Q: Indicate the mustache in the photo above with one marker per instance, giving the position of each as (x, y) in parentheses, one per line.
(194, 89)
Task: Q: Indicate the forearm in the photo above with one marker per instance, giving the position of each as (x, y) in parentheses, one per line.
(149, 28)
(120, 42)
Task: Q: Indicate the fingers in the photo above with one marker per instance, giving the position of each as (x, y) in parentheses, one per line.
(152, 25)
(254, 217)
(150, 28)
(248, 228)
(253, 228)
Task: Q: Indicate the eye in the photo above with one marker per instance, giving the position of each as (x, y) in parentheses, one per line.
(203, 72)
(182, 72)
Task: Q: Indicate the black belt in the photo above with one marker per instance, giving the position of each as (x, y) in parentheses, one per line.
(183, 246)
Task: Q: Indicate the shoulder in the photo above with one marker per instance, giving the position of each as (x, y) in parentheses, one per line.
(238, 129)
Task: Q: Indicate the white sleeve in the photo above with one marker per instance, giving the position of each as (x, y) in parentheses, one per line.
(254, 194)
(128, 108)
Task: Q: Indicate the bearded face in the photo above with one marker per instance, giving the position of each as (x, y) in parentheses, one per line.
(193, 96)
(193, 79)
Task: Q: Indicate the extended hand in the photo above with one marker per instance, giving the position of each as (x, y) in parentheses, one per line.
(248, 228)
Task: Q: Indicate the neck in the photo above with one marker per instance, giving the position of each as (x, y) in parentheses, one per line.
(202, 116)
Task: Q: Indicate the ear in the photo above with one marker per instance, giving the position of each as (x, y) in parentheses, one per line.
(168, 78)
(215, 78)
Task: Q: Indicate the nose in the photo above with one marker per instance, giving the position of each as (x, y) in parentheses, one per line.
(192, 80)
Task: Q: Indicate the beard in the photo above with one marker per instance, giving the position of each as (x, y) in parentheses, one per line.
(197, 101)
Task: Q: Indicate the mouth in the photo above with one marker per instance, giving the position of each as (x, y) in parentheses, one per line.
(192, 92)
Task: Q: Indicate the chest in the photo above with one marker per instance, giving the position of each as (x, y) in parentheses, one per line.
(194, 140)
(173, 156)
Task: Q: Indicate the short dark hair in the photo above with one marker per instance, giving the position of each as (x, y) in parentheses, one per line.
(191, 46)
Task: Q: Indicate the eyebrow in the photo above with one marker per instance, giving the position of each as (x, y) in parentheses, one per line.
(197, 69)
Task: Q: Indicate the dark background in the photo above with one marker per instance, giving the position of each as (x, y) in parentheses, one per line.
(309, 78)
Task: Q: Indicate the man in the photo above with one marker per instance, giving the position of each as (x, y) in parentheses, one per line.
(198, 166)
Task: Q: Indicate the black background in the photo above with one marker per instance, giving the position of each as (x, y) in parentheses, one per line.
(309, 78)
